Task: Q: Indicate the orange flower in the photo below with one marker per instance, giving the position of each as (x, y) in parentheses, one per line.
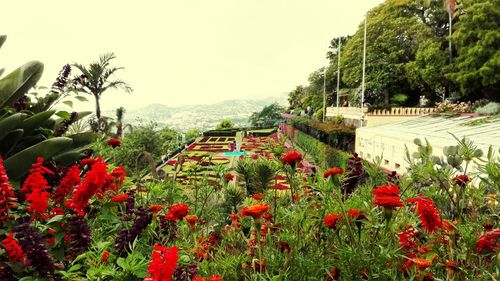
(155, 208)
(119, 198)
(191, 220)
(332, 172)
(255, 211)
(421, 264)
(258, 196)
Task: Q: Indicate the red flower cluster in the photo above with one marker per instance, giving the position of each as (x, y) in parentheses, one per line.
(291, 158)
(229, 177)
(258, 196)
(487, 243)
(13, 250)
(407, 239)
(104, 257)
(7, 196)
(255, 211)
(67, 184)
(35, 187)
(119, 198)
(387, 196)
(428, 213)
(114, 142)
(355, 215)
(333, 172)
(332, 220)
(460, 180)
(177, 212)
(163, 263)
(93, 183)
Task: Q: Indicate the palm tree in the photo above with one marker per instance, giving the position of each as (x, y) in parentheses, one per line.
(120, 126)
(96, 79)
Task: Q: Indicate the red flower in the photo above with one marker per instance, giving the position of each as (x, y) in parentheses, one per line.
(334, 274)
(114, 142)
(35, 187)
(13, 249)
(255, 211)
(407, 239)
(267, 216)
(198, 278)
(279, 186)
(387, 196)
(7, 196)
(333, 172)
(119, 174)
(258, 196)
(104, 257)
(428, 213)
(460, 180)
(356, 214)
(216, 277)
(191, 220)
(291, 158)
(88, 161)
(229, 177)
(177, 212)
(163, 263)
(332, 220)
(155, 208)
(67, 184)
(119, 198)
(93, 182)
(487, 243)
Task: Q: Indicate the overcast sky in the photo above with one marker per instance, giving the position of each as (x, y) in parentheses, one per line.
(181, 52)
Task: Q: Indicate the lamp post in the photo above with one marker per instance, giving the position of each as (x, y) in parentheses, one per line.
(324, 94)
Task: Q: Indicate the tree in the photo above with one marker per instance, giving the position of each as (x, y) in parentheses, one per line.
(394, 34)
(477, 37)
(192, 133)
(270, 116)
(225, 124)
(97, 78)
(120, 126)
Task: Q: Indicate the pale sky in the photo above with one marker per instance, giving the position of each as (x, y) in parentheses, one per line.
(181, 52)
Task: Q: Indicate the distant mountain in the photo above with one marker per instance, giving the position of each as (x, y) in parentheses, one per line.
(201, 116)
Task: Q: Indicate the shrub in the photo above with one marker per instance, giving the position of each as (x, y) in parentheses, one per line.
(491, 108)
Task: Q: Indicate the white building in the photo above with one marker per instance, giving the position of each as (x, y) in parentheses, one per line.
(388, 141)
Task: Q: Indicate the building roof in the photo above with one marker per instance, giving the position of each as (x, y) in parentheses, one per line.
(438, 130)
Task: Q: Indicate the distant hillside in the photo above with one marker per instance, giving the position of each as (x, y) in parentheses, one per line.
(200, 116)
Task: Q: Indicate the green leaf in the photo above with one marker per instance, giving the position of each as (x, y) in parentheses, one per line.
(55, 219)
(81, 98)
(64, 114)
(68, 158)
(2, 39)
(10, 123)
(18, 82)
(19, 164)
(68, 103)
(37, 120)
(83, 139)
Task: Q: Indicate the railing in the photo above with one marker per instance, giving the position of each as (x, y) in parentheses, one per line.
(402, 111)
(395, 111)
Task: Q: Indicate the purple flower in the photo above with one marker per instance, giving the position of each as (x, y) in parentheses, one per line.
(79, 235)
(127, 236)
(33, 246)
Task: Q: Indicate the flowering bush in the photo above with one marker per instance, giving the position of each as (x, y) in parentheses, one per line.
(88, 221)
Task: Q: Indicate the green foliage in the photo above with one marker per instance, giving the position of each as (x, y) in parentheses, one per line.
(270, 116)
(491, 108)
(225, 124)
(324, 155)
(33, 132)
(476, 37)
(144, 138)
